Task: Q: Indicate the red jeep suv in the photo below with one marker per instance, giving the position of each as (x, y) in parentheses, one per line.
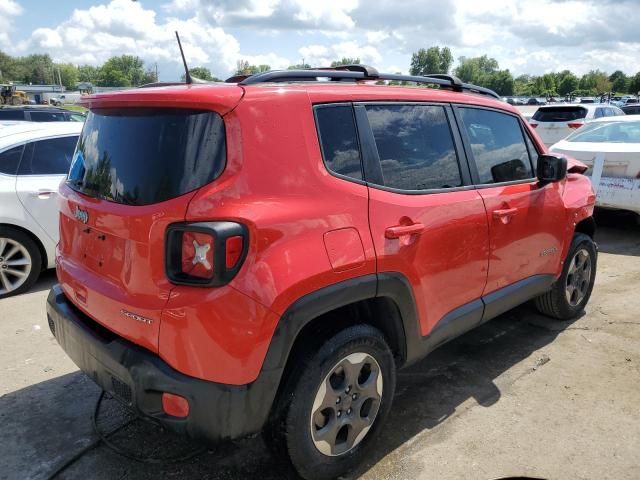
(263, 255)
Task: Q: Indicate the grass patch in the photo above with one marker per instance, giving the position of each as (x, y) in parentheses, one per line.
(75, 108)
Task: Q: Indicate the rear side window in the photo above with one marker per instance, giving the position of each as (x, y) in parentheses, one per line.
(498, 146)
(339, 140)
(47, 116)
(415, 146)
(48, 157)
(11, 114)
(9, 160)
(140, 156)
(559, 114)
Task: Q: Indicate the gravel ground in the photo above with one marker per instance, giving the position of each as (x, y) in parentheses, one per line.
(520, 396)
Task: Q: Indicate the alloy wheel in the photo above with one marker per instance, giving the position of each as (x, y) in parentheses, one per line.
(15, 265)
(578, 277)
(346, 404)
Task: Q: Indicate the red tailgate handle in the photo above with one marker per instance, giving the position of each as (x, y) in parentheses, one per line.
(505, 215)
(402, 230)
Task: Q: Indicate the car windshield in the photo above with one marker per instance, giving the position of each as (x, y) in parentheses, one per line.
(614, 132)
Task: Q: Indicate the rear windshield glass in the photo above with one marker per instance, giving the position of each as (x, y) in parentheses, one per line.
(560, 114)
(144, 156)
(615, 132)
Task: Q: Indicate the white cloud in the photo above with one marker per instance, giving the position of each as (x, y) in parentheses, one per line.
(9, 10)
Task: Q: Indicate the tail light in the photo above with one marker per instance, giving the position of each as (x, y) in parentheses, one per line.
(575, 125)
(206, 253)
(533, 125)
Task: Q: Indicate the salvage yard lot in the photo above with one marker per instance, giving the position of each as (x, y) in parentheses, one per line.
(521, 395)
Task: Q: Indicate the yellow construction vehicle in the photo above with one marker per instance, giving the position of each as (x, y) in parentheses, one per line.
(10, 96)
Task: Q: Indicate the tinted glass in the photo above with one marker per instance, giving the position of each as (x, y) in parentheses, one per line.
(600, 112)
(48, 157)
(533, 152)
(415, 145)
(47, 116)
(498, 146)
(9, 160)
(633, 110)
(615, 132)
(339, 140)
(559, 114)
(11, 114)
(144, 156)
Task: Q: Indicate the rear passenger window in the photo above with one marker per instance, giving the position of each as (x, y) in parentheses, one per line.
(600, 112)
(339, 140)
(415, 145)
(498, 146)
(9, 160)
(47, 116)
(10, 114)
(48, 157)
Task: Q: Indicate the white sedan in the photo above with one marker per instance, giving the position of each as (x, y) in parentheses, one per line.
(34, 159)
(610, 147)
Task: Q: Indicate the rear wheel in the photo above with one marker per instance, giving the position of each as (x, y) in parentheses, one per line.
(20, 262)
(337, 405)
(572, 290)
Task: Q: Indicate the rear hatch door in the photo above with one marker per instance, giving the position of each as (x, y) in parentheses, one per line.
(133, 173)
(555, 123)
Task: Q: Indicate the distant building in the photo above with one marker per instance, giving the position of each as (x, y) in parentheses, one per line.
(35, 92)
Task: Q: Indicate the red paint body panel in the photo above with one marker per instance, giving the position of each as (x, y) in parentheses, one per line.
(344, 249)
(447, 263)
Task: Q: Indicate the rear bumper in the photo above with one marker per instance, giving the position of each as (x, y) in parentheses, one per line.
(619, 193)
(138, 377)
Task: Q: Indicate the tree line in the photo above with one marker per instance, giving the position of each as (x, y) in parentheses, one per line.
(130, 70)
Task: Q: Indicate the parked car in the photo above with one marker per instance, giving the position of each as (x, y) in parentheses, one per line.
(555, 122)
(268, 260)
(628, 101)
(34, 159)
(610, 147)
(631, 109)
(30, 113)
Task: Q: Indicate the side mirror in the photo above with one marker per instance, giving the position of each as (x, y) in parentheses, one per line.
(551, 168)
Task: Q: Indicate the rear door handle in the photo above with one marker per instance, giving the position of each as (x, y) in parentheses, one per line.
(505, 214)
(44, 193)
(402, 230)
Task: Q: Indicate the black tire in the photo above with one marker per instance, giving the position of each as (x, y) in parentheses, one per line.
(289, 435)
(555, 302)
(30, 246)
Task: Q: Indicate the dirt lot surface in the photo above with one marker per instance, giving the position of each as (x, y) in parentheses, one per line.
(521, 395)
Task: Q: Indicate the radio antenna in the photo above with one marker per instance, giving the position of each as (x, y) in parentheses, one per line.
(187, 76)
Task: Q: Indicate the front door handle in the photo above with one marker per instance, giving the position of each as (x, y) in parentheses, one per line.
(44, 193)
(505, 215)
(402, 230)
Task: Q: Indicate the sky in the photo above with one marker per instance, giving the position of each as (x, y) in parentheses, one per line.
(525, 36)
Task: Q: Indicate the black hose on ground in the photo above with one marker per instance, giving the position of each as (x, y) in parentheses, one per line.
(104, 438)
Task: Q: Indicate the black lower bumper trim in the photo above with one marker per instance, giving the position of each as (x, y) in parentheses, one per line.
(138, 377)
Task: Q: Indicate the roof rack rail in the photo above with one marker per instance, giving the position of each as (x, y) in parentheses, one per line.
(360, 73)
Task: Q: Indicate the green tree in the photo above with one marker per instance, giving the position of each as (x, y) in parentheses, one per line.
(501, 82)
(634, 84)
(431, 60)
(88, 73)
(122, 71)
(475, 70)
(568, 83)
(595, 82)
(36, 69)
(619, 81)
(243, 67)
(299, 66)
(68, 75)
(202, 73)
(345, 61)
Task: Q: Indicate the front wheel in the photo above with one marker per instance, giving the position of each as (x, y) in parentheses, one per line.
(338, 404)
(20, 262)
(571, 292)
